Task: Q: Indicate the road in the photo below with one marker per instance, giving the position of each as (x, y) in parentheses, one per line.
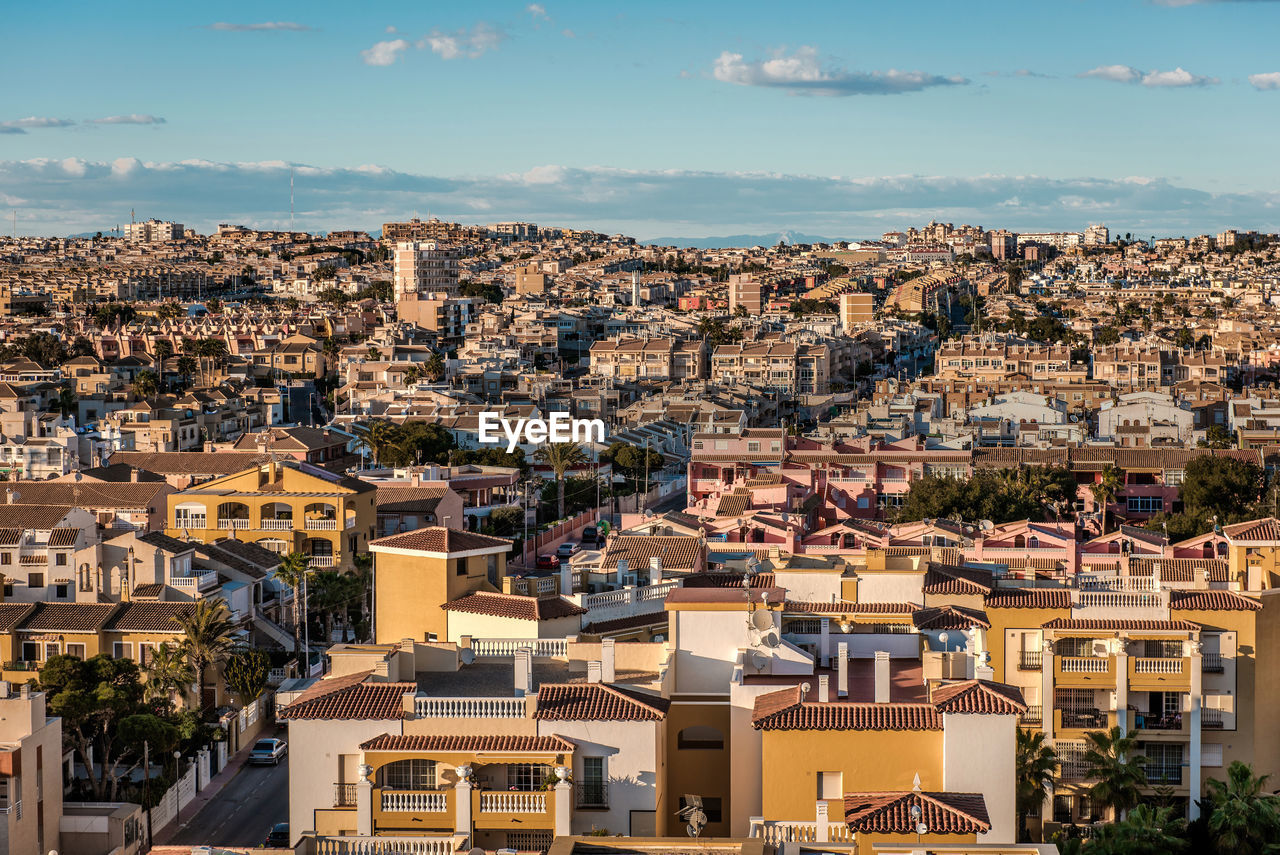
(244, 810)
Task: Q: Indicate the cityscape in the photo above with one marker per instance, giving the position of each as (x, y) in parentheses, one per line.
(390, 468)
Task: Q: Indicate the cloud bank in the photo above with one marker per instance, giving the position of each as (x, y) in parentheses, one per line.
(73, 195)
(802, 73)
(265, 26)
(1179, 77)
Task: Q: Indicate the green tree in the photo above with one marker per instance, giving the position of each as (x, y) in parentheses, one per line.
(291, 571)
(206, 637)
(1243, 819)
(377, 436)
(164, 349)
(170, 673)
(170, 311)
(67, 400)
(187, 367)
(1118, 771)
(433, 370)
(1222, 485)
(1147, 830)
(1035, 763)
(246, 671)
(146, 384)
(561, 457)
(1108, 486)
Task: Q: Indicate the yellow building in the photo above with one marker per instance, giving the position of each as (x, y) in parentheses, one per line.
(283, 506)
(416, 573)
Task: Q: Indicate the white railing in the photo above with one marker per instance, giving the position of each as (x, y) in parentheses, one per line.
(1121, 600)
(630, 600)
(234, 525)
(185, 583)
(275, 525)
(1085, 664)
(14, 808)
(1145, 665)
(1100, 582)
(403, 801)
(424, 707)
(778, 832)
(322, 560)
(191, 522)
(385, 846)
(322, 525)
(509, 646)
(506, 801)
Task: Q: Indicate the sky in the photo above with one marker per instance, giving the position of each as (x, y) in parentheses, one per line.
(683, 119)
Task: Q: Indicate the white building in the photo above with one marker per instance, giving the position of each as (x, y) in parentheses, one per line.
(425, 267)
(154, 231)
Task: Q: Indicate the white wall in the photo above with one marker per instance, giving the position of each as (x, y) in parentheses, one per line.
(709, 642)
(631, 753)
(315, 749)
(978, 757)
(876, 587)
(809, 587)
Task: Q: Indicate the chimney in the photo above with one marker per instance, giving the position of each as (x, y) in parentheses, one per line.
(607, 661)
(4, 688)
(415, 480)
(133, 475)
(655, 569)
(566, 578)
(620, 578)
(824, 688)
(24, 691)
(882, 677)
(595, 671)
(8, 496)
(524, 672)
(842, 669)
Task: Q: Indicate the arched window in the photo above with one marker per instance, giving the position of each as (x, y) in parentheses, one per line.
(1208, 549)
(1019, 542)
(1222, 549)
(700, 736)
(1034, 542)
(408, 775)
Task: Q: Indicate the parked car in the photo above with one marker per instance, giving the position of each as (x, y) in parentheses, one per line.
(548, 562)
(591, 536)
(278, 836)
(569, 548)
(268, 752)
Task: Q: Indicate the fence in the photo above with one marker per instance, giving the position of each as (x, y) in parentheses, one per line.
(556, 533)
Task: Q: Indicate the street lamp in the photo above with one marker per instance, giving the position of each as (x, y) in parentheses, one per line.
(177, 770)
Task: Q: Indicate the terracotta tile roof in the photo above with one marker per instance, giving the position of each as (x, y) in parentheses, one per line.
(191, 462)
(148, 590)
(605, 627)
(947, 579)
(149, 617)
(462, 744)
(597, 702)
(890, 813)
(1029, 598)
(31, 516)
(68, 617)
(1212, 601)
(734, 504)
(949, 617)
(1181, 569)
(1254, 531)
(10, 536)
(515, 606)
(63, 536)
(679, 552)
(160, 540)
(440, 539)
(91, 494)
(399, 497)
(982, 697)
(1121, 625)
(848, 607)
(785, 710)
(727, 580)
(350, 698)
(13, 614)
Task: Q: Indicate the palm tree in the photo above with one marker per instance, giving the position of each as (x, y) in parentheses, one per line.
(170, 673)
(1119, 773)
(411, 375)
(1147, 830)
(434, 369)
(206, 636)
(209, 349)
(1104, 492)
(164, 349)
(187, 367)
(67, 400)
(561, 457)
(332, 593)
(1035, 764)
(145, 384)
(1242, 818)
(376, 436)
(292, 570)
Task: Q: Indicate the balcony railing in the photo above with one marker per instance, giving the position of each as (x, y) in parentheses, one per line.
(20, 665)
(275, 525)
(1030, 660)
(344, 795)
(1212, 663)
(1211, 719)
(1033, 715)
(508, 646)
(14, 808)
(469, 707)
(1085, 664)
(411, 801)
(322, 560)
(509, 801)
(1173, 721)
(234, 524)
(322, 525)
(1145, 665)
(778, 832)
(594, 794)
(1084, 719)
(1163, 773)
(437, 845)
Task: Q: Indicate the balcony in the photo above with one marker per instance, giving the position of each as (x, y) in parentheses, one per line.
(1083, 719)
(1033, 716)
(344, 795)
(321, 525)
(322, 560)
(1084, 671)
(514, 803)
(425, 845)
(1144, 665)
(1159, 674)
(1210, 719)
(1030, 660)
(415, 801)
(775, 833)
(594, 794)
(1170, 722)
(15, 808)
(234, 524)
(195, 582)
(1164, 774)
(1211, 663)
(424, 707)
(275, 525)
(506, 647)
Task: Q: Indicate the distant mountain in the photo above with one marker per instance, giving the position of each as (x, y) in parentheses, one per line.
(737, 240)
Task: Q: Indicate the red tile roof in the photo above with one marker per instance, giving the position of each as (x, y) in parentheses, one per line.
(465, 744)
(1181, 569)
(849, 607)
(68, 617)
(441, 539)
(350, 698)
(150, 617)
(1029, 598)
(949, 617)
(769, 714)
(981, 697)
(1121, 625)
(1254, 531)
(677, 551)
(515, 606)
(13, 614)
(1212, 601)
(945, 579)
(597, 702)
(890, 813)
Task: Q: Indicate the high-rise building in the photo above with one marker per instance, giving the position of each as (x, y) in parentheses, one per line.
(1004, 245)
(746, 291)
(1097, 235)
(425, 267)
(856, 309)
(154, 231)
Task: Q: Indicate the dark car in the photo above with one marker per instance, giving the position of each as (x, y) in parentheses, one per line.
(548, 562)
(278, 836)
(592, 536)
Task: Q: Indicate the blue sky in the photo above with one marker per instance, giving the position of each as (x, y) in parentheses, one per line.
(842, 119)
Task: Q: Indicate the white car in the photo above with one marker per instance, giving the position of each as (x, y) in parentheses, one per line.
(268, 752)
(569, 548)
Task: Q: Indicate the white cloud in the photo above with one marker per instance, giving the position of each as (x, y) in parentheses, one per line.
(537, 10)
(1267, 80)
(464, 43)
(265, 26)
(123, 166)
(384, 53)
(19, 126)
(74, 166)
(803, 73)
(1115, 73)
(131, 119)
(1179, 77)
(568, 34)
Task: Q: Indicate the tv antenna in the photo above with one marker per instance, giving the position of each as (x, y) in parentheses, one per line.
(692, 813)
(290, 197)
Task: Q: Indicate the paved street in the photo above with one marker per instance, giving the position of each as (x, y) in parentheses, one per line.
(244, 811)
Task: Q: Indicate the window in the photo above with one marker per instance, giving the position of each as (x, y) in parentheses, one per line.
(76, 649)
(1153, 649)
(753, 446)
(35, 580)
(6, 557)
(1164, 763)
(1211, 755)
(51, 648)
(60, 559)
(460, 565)
(592, 787)
(121, 650)
(527, 777)
(1145, 504)
(416, 774)
(830, 785)
(1074, 647)
(60, 591)
(146, 652)
(700, 737)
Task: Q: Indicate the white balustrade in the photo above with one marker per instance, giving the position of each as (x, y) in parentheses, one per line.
(234, 525)
(322, 560)
(1085, 664)
(406, 801)
(508, 646)
(778, 832)
(275, 525)
(424, 707)
(322, 525)
(1145, 665)
(508, 801)
(439, 845)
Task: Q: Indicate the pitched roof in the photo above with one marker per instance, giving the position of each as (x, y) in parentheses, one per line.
(13, 614)
(604, 627)
(440, 539)
(949, 617)
(515, 606)
(785, 710)
(891, 813)
(399, 497)
(468, 743)
(31, 516)
(63, 536)
(190, 462)
(350, 698)
(948, 579)
(1212, 601)
(1121, 625)
(596, 702)
(1181, 569)
(1029, 598)
(1253, 531)
(160, 540)
(68, 617)
(150, 617)
(982, 697)
(90, 494)
(848, 607)
(676, 551)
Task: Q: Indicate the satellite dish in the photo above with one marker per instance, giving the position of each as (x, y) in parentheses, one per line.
(986, 525)
(770, 639)
(758, 660)
(762, 620)
(476, 851)
(468, 656)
